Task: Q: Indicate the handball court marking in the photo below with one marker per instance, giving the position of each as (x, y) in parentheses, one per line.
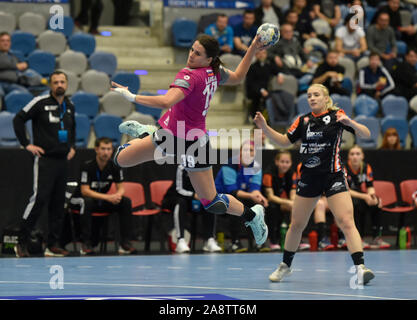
(205, 288)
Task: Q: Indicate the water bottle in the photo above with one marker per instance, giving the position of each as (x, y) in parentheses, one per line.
(195, 205)
(402, 238)
(408, 244)
(283, 231)
(313, 237)
(334, 235)
(220, 240)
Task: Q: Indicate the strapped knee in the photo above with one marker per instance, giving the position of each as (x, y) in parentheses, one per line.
(119, 149)
(218, 205)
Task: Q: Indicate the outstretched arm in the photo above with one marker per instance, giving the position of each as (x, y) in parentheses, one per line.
(361, 130)
(280, 139)
(166, 101)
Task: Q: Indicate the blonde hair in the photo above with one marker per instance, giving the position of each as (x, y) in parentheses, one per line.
(330, 105)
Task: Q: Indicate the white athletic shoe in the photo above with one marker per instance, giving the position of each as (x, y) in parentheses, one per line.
(364, 274)
(258, 225)
(182, 246)
(211, 246)
(135, 129)
(282, 271)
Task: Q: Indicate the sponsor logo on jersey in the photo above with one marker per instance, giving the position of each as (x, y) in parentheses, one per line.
(313, 135)
(312, 162)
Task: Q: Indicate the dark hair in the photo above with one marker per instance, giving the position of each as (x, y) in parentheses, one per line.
(4, 33)
(212, 47)
(348, 17)
(374, 53)
(57, 72)
(222, 15)
(409, 49)
(250, 11)
(104, 140)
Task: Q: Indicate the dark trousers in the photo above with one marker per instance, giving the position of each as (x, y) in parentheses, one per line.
(274, 218)
(236, 222)
(94, 7)
(123, 208)
(181, 208)
(49, 185)
(121, 12)
(361, 209)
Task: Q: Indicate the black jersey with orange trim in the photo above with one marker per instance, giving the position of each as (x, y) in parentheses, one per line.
(281, 184)
(361, 179)
(321, 137)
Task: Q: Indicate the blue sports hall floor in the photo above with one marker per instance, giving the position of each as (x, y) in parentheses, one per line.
(316, 276)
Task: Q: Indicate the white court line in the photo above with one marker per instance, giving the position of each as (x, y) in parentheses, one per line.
(114, 267)
(381, 271)
(84, 267)
(137, 285)
(175, 268)
(322, 270)
(144, 267)
(204, 268)
(23, 265)
(234, 269)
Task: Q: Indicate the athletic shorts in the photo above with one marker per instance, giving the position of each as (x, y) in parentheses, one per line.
(192, 155)
(315, 185)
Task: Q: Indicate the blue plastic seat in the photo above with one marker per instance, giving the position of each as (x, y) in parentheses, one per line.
(374, 127)
(82, 130)
(83, 42)
(271, 113)
(302, 104)
(401, 47)
(106, 125)
(395, 106)
(24, 42)
(103, 61)
(86, 103)
(184, 32)
(16, 100)
(413, 130)
(42, 62)
(7, 134)
(68, 26)
(343, 102)
(401, 125)
(366, 106)
(127, 79)
(234, 20)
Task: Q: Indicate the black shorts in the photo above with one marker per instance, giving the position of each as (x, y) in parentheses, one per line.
(314, 185)
(192, 155)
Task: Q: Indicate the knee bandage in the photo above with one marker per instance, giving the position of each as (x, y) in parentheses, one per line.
(120, 148)
(218, 205)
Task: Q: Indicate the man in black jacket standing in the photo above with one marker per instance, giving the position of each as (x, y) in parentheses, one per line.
(53, 126)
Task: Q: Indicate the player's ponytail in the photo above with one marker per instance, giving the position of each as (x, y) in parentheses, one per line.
(212, 47)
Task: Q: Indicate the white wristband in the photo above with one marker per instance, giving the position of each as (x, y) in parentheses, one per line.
(126, 93)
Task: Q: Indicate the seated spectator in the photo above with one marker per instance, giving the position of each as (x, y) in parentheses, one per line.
(97, 176)
(351, 4)
(277, 185)
(302, 30)
(288, 53)
(268, 12)
(391, 140)
(328, 11)
(375, 80)
(10, 67)
(360, 180)
(306, 16)
(222, 32)
(180, 199)
(405, 75)
(257, 81)
(242, 178)
(414, 196)
(331, 74)
(350, 40)
(244, 33)
(381, 39)
(405, 33)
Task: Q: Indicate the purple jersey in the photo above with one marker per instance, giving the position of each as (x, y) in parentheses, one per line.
(198, 86)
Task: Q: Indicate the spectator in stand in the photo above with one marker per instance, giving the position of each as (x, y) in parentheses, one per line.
(288, 53)
(179, 199)
(375, 80)
(405, 75)
(414, 196)
(92, 8)
(391, 140)
(328, 11)
(381, 39)
(257, 81)
(331, 74)
(222, 32)
(360, 179)
(350, 40)
(405, 33)
(9, 67)
(268, 12)
(305, 17)
(244, 33)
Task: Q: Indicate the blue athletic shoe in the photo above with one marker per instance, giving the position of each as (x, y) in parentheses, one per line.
(258, 225)
(136, 129)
